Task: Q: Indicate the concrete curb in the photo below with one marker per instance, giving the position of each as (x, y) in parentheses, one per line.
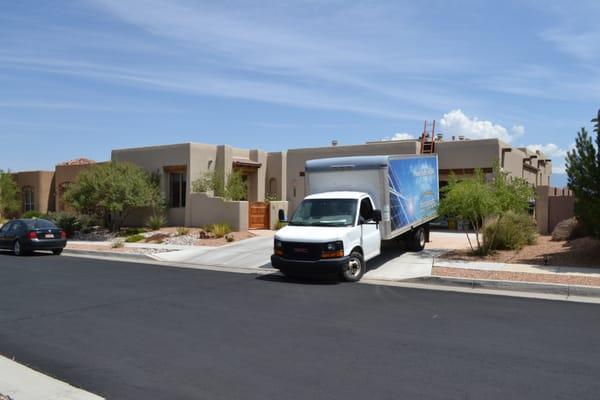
(23, 383)
(108, 254)
(544, 288)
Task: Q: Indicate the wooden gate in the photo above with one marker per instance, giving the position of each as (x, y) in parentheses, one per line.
(258, 215)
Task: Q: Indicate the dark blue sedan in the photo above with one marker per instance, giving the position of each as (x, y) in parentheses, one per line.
(24, 236)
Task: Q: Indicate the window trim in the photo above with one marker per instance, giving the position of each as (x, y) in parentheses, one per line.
(182, 188)
(28, 203)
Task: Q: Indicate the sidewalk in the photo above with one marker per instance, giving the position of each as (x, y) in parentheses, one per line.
(22, 383)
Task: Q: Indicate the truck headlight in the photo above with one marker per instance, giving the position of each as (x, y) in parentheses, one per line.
(278, 247)
(333, 249)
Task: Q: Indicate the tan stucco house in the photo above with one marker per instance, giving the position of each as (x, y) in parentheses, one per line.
(275, 180)
(36, 190)
(179, 165)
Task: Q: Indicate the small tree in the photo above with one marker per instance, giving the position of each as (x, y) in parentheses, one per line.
(583, 171)
(236, 189)
(469, 199)
(9, 200)
(477, 200)
(111, 191)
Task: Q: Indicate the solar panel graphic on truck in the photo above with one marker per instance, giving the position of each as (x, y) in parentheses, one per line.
(414, 193)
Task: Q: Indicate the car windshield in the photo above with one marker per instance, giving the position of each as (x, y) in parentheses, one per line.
(39, 224)
(325, 212)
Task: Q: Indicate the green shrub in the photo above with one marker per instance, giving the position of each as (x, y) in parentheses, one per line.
(220, 230)
(87, 223)
(67, 221)
(31, 214)
(512, 231)
(182, 231)
(135, 238)
(131, 231)
(156, 221)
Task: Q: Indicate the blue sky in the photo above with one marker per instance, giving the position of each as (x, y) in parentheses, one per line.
(78, 78)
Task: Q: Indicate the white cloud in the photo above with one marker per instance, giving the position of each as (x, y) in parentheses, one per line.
(551, 150)
(559, 169)
(456, 123)
(518, 130)
(401, 136)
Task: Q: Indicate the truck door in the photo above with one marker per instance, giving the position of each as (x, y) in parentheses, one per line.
(371, 237)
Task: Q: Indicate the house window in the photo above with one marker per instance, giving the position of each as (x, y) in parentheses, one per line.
(177, 189)
(28, 199)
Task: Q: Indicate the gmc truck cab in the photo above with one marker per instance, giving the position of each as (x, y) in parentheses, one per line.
(334, 232)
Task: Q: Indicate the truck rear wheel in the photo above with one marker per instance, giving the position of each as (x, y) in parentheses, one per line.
(417, 240)
(355, 269)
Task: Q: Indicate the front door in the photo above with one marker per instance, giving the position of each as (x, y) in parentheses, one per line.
(258, 215)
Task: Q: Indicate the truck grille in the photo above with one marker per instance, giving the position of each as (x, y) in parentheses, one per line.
(302, 251)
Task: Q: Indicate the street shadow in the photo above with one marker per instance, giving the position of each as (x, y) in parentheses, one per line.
(309, 279)
(10, 253)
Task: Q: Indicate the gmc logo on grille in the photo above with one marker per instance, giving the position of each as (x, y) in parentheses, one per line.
(300, 250)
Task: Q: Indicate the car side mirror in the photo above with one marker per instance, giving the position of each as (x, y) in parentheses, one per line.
(377, 216)
(281, 215)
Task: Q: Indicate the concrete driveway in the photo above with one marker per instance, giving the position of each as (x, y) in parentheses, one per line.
(250, 253)
(394, 263)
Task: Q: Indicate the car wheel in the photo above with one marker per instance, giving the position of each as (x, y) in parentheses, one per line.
(18, 249)
(57, 252)
(417, 242)
(355, 269)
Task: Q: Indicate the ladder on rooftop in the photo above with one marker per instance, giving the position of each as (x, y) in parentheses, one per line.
(428, 139)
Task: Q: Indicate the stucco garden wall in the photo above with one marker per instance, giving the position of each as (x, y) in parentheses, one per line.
(204, 209)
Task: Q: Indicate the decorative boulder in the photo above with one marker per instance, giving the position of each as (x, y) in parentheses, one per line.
(565, 230)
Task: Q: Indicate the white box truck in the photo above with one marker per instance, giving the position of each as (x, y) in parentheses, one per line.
(354, 203)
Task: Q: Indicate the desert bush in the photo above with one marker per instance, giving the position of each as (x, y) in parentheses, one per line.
(118, 244)
(229, 237)
(220, 229)
(156, 221)
(135, 238)
(182, 231)
(511, 231)
(65, 220)
(86, 223)
(31, 214)
(112, 191)
(131, 231)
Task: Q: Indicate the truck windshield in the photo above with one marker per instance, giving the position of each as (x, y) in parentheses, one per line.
(325, 212)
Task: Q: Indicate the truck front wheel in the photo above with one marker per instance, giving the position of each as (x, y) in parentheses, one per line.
(355, 269)
(416, 242)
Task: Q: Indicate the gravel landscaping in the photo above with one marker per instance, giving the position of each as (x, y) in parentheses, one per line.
(580, 280)
(582, 252)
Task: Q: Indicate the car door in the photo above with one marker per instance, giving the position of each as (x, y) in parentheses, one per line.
(370, 234)
(3, 234)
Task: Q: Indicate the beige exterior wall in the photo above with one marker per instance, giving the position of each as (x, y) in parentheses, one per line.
(552, 205)
(297, 158)
(276, 176)
(159, 159)
(42, 185)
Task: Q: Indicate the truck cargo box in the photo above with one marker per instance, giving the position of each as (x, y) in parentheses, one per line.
(404, 187)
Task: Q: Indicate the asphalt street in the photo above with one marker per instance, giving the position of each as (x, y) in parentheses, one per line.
(134, 331)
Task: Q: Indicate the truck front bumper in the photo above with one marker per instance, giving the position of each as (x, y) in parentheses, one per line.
(326, 266)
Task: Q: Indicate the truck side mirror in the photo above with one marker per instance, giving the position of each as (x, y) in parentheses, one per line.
(377, 216)
(281, 215)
